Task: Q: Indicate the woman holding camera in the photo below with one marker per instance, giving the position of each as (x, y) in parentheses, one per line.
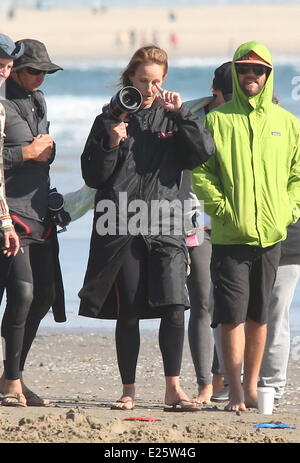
(134, 274)
(32, 278)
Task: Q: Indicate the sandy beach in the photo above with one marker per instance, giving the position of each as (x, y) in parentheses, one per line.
(199, 31)
(77, 371)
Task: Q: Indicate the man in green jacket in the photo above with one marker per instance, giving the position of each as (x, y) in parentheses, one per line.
(251, 189)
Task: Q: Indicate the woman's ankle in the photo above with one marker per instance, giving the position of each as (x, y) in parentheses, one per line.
(13, 386)
(128, 390)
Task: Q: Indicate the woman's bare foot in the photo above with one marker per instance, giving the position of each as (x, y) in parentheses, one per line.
(13, 394)
(204, 394)
(175, 395)
(34, 400)
(126, 401)
(31, 397)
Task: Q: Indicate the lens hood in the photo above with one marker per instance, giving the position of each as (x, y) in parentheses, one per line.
(127, 100)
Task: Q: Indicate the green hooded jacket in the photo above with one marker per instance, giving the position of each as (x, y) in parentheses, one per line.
(251, 186)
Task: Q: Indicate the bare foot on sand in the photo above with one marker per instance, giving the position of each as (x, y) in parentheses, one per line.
(236, 402)
(176, 396)
(251, 399)
(204, 394)
(126, 401)
(34, 400)
(12, 392)
(31, 397)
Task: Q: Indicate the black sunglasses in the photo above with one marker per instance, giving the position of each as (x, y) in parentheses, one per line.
(35, 72)
(258, 69)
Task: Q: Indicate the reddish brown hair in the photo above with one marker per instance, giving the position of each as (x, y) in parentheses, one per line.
(147, 54)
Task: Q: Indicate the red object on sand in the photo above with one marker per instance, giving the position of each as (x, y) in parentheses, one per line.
(141, 418)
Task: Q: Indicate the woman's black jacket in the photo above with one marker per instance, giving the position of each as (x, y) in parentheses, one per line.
(146, 166)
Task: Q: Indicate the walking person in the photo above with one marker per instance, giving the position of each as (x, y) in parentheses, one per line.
(34, 282)
(136, 276)
(251, 189)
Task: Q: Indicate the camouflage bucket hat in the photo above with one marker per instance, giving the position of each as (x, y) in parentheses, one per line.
(35, 56)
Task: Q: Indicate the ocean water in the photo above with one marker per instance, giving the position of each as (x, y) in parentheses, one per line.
(74, 98)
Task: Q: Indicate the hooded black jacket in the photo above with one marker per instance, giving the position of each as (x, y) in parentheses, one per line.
(26, 183)
(147, 166)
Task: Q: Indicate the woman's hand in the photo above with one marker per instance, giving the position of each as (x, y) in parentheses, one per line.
(117, 133)
(169, 100)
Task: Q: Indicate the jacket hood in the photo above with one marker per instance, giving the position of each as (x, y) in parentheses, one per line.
(263, 100)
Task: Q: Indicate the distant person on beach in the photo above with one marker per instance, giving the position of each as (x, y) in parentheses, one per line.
(174, 41)
(199, 246)
(140, 273)
(11, 13)
(132, 38)
(251, 190)
(34, 282)
(8, 237)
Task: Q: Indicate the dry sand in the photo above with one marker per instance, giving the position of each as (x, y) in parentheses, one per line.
(201, 31)
(77, 370)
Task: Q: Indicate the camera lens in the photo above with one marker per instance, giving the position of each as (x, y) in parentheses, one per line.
(127, 100)
(130, 99)
(55, 201)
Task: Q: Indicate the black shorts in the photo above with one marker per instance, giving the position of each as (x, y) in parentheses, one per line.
(243, 277)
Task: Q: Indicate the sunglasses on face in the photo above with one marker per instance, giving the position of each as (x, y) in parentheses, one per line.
(257, 69)
(35, 72)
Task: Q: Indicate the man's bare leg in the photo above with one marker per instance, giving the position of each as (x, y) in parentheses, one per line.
(233, 346)
(255, 335)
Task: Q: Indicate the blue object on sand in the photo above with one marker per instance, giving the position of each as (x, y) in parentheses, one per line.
(274, 425)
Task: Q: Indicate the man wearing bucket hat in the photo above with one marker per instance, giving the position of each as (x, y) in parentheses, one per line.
(8, 53)
(34, 282)
(251, 189)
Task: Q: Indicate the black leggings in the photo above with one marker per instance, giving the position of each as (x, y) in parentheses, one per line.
(132, 284)
(171, 337)
(30, 293)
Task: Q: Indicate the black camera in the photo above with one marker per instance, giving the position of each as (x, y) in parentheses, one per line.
(56, 208)
(127, 100)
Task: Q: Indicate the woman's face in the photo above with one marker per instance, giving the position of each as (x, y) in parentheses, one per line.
(145, 79)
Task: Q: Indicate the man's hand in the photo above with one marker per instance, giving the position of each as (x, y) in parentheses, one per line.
(11, 243)
(171, 101)
(39, 150)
